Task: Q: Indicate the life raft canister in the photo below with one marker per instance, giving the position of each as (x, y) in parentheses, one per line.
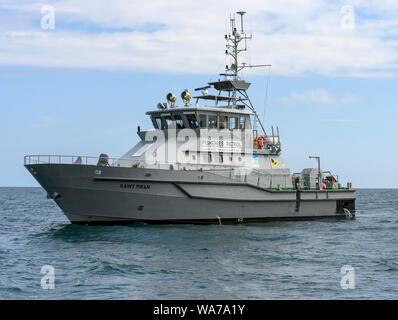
(260, 142)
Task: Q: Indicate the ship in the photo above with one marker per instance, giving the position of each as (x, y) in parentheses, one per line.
(207, 160)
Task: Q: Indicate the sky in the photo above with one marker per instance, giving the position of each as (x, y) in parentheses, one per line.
(82, 84)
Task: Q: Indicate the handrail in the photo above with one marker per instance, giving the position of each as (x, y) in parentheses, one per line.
(239, 173)
(93, 160)
(59, 159)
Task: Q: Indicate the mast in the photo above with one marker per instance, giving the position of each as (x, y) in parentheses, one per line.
(234, 40)
(236, 88)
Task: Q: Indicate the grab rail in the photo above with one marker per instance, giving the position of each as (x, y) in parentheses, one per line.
(238, 173)
(64, 159)
(92, 160)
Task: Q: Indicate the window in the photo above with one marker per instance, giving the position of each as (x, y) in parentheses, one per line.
(242, 121)
(167, 122)
(193, 123)
(212, 121)
(223, 122)
(233, 123)
(179, 121)
(202, 121)
(221, 157)
(209, 157)
(158, 123)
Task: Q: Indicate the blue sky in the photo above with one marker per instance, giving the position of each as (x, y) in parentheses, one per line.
(84, 87)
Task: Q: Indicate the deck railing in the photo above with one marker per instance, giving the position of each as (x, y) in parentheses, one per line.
(66, 159)
(238, 173)
(127, 162)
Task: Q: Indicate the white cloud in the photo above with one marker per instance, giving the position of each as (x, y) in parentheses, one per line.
(320, 97)
(295, 37)
(337, 120)
(349, 99)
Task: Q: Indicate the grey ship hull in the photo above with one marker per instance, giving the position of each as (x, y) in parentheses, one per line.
(89, 194)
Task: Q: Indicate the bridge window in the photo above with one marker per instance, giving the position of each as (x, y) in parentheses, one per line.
(167, 122)
(242, 121)
(202, 121)
(233, 122)
(193, 123)
(212, 122)
(223, 122)
(158, 123)
(179, 121)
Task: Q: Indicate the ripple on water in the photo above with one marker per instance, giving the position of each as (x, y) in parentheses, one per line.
(294, 260)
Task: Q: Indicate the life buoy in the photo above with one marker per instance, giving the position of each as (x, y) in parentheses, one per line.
(260, 142)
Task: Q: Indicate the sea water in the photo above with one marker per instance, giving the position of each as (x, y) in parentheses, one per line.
(321, 259)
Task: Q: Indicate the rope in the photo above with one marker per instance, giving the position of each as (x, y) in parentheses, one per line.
(266, 93)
